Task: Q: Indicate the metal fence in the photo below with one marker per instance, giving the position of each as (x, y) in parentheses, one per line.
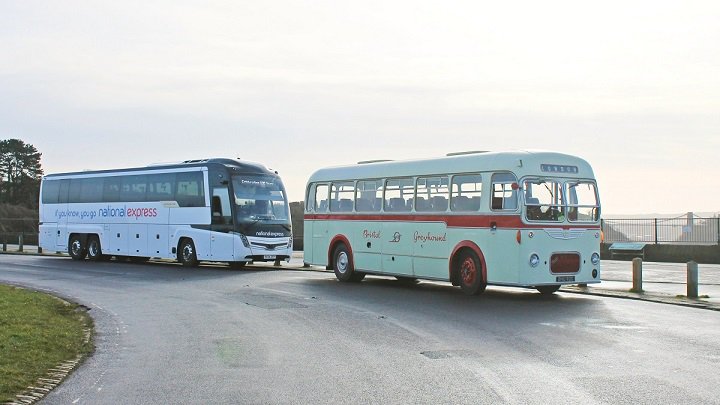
(688, 230)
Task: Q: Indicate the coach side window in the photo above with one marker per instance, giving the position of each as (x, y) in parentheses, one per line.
(504, 192)
(466, 192)
(189, 189)
(50, 191)
(368, 196)
(398, 195)
(111, 189)
(342, 195)
(321, 197)
(133, 188)
(160, 187)
(432, 194)
(55, 191)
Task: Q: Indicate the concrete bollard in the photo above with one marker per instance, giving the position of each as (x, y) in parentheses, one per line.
(692, 279)
(20, 243)
(637, 274)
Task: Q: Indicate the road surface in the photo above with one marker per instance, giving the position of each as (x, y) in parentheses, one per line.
(167, 334)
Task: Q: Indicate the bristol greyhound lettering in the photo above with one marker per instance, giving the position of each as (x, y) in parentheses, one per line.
(428, 237)
(367, 234)
(396, 237)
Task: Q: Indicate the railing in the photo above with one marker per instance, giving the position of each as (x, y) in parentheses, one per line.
(688, 230)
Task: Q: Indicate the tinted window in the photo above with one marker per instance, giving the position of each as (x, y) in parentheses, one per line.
(189, 189)
(160, 187)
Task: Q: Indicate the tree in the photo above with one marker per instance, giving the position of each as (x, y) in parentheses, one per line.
(20, 173)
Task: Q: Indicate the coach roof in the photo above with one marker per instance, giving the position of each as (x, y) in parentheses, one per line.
(519, 162)
(232, 164)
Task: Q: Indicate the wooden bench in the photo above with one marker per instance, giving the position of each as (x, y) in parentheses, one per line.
(635, 249)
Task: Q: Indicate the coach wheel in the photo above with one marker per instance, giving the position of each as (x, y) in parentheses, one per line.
(77, 248)
(547, 289)
(343, 265)
(94, 250)
(469, 273)
(186, 254)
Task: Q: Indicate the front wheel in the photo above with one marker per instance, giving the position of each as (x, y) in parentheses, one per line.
(469, 273)
(77, 248)
(343, 265)
(187, 254)
(547, 289)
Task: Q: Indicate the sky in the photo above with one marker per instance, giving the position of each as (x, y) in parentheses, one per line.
(631, 86)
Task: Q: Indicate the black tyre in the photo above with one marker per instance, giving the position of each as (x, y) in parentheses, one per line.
(77, 247)
(187, 254)
(94, 250)
(468, 272)
(547, 289)
(343, 265)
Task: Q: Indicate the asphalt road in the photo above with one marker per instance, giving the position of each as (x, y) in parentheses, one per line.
(166, 334)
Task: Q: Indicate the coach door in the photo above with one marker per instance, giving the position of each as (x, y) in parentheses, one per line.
(319, 203)
(398, 229)
(222, 241)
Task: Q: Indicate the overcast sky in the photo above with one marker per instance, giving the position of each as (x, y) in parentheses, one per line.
(631, 86)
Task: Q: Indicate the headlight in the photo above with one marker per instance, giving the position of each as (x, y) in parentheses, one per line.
(595, 258)
(534, 260)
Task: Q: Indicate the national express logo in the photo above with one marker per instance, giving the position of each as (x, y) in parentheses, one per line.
(109, 212)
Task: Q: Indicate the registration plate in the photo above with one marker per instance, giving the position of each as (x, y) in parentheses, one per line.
(564, 279)
(268, 257)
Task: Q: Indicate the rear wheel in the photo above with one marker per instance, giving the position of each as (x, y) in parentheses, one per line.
(186, 254)
(547, 289)
(94, 250)
(343, 265)
(77, 248)
(469, 273)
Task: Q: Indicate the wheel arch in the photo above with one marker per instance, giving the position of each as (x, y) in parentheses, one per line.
(334, 242)
(80, 235)
(466, 245)
(180, 241)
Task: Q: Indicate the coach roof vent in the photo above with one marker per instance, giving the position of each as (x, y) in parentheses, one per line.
(470, 152)
(364, 162)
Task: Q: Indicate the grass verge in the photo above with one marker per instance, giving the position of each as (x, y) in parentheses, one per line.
(37, 332)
